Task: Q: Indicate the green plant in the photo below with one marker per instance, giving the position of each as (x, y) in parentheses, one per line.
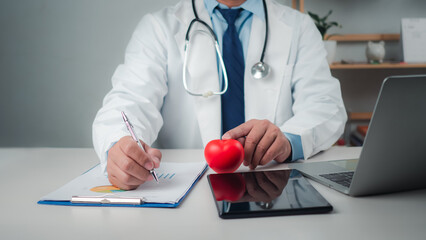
(322, 24)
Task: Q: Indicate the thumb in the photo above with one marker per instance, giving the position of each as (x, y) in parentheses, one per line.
(155, 155)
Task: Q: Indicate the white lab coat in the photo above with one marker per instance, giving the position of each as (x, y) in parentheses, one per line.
(300, 95)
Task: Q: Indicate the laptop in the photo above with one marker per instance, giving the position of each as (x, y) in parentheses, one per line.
(393, 157)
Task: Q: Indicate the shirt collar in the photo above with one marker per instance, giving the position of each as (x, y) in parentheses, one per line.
(254, 6)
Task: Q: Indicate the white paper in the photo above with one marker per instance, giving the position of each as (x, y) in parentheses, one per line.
(175, 179)
(413, 31)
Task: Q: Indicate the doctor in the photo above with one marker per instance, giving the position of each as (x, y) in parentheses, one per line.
(293, 112)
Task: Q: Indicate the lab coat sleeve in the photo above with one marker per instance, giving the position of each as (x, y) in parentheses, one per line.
(138, 88)
(319, 114)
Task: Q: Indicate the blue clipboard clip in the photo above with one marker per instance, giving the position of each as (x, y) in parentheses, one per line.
(107, 200)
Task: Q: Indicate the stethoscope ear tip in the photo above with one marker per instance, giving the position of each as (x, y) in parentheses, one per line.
(260, 70)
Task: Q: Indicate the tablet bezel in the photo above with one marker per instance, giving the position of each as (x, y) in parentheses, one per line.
(322, 206)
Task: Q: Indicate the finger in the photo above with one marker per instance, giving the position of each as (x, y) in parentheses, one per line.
(252, 139)
(115, 182)
(118, 159)
(120, 179)
(130, 167)
(132, 150)
(273, 151)
(155, 154)
(240, 131)
(280, 150)
(127, 178)
(262, 147)
(126, 172)
(241, 140)
(270, 154)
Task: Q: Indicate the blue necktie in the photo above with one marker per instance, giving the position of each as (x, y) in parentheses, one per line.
(232, 51)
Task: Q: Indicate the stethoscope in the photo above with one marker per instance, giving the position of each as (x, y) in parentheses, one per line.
(259, 70)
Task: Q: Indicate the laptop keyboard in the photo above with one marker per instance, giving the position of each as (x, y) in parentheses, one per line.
(342, 178)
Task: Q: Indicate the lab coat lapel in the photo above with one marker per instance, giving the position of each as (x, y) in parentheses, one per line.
(261, 96)
(202, 72)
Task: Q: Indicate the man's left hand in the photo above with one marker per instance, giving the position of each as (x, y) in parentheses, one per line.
(262, 142)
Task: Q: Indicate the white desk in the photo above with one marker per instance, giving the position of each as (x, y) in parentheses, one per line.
(28, 174)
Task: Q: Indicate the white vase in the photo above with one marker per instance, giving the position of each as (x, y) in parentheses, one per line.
(330, 47)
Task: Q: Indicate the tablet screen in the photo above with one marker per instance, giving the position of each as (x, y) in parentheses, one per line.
(265, 193)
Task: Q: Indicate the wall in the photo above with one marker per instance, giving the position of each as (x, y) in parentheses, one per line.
(56, 61)
(57, 58)
(360, 87)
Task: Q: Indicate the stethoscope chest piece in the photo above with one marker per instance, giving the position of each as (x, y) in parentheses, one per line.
(260, 70)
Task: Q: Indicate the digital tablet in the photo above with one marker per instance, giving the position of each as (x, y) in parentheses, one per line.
(265, 193)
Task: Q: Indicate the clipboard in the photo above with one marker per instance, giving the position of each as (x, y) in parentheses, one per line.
(176, 181)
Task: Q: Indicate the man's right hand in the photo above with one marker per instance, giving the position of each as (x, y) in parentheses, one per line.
(128, 165)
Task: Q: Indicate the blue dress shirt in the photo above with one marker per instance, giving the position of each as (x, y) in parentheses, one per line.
(243, 25)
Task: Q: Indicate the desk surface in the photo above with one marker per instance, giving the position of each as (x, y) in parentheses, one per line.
(28, 174)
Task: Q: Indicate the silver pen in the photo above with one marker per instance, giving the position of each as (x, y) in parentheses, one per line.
(130, 128)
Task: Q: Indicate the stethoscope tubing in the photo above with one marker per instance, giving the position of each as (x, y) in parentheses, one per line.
(218, 52)
(222, 64)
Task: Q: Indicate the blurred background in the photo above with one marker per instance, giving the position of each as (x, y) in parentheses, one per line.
(57, 58)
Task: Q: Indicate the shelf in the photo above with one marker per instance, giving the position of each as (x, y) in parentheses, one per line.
(376, 66)
(364, 37)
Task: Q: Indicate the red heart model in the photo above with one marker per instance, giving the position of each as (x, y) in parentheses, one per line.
(224, 156)
(228, 187)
